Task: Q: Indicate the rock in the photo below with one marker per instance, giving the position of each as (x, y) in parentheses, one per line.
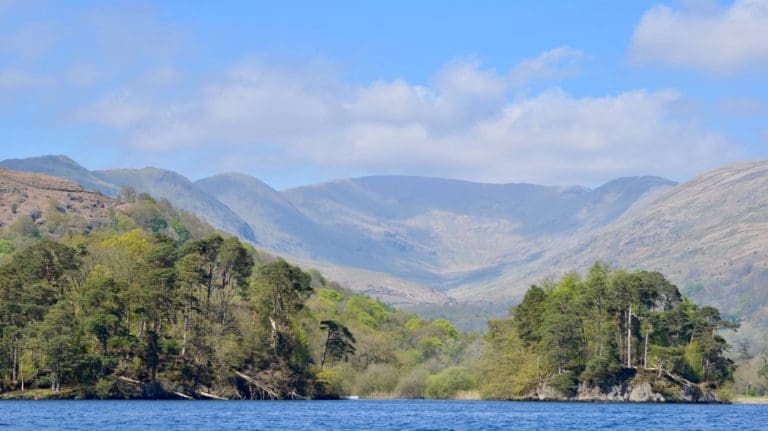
(643, 393)
(641, 388)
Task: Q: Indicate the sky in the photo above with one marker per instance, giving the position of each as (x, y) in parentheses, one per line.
(296, 92)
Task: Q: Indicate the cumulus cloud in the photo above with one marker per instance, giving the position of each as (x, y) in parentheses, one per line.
(719, 40)
(463, 123)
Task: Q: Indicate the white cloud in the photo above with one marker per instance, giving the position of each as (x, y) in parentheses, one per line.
(119, 110)
(554, 64)
(463, 124)
(720, 40)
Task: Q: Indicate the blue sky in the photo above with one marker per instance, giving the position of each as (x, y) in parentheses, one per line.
(298, 92)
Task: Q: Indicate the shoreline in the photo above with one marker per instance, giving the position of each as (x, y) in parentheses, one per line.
(70, 395)
(750, 400)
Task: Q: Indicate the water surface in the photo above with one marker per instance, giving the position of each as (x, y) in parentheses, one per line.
(374, 415)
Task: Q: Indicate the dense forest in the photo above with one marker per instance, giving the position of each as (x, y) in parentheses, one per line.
(154, 303)
(604, 330)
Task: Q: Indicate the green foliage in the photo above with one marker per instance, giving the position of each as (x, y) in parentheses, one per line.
(449, 381)
(566, 383)
(6, 247)
(366, 310)
(508, 369)
(339, 343)
(330, 295)
(600, 330)
(153, 300)
(329, 384)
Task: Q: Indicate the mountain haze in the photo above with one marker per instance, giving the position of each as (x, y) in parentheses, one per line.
(448, 232)
(181, 193)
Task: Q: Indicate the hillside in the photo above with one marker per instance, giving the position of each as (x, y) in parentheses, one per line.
(448, 233)
(181, 193)
(40, 198)
(277, 224)
(62, 167)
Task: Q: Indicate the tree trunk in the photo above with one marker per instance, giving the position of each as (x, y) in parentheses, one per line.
(15, 363)
(600, 330)
(629, 337)
(186, 330)
(645, 350)
(325, 349)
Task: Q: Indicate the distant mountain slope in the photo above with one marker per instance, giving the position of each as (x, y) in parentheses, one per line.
(276, 223)
(537, 209)
(182, 194)
(709, 235)
(38, 196)
(62, 167)
(447, 232)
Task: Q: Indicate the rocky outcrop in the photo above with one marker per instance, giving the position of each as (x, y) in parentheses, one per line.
(644, 387)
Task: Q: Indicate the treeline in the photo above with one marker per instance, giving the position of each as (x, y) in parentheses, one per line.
(153, 303)
(601, 331)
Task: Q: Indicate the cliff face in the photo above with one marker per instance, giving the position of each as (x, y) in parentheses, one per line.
(645, 387)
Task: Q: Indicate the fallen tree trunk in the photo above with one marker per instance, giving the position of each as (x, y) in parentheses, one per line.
(674, 378)
(211, 396)
(181, 395)
(128, 380)
(272, 392)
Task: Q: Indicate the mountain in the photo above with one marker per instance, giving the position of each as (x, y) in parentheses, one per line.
(62, 167)
(277, 224)
(181, 193)
(448, 233)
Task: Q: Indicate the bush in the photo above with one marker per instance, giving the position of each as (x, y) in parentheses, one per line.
(413, 385)
(376, 378)
(328, 384)
(566, 383)
(446, 383)
(6, 247)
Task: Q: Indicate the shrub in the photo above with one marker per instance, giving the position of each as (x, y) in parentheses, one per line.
(446, 383)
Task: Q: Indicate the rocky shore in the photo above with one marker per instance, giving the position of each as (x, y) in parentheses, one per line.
(644, 386)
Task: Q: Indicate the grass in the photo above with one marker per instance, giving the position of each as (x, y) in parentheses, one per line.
(750, 400)
(37, 394)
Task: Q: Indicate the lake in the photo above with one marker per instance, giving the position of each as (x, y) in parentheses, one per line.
(374, 415)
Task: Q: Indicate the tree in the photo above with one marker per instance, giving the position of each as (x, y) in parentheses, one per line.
(339, 343)
(528, 315)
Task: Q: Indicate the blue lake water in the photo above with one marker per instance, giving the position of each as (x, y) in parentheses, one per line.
(374, 415)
